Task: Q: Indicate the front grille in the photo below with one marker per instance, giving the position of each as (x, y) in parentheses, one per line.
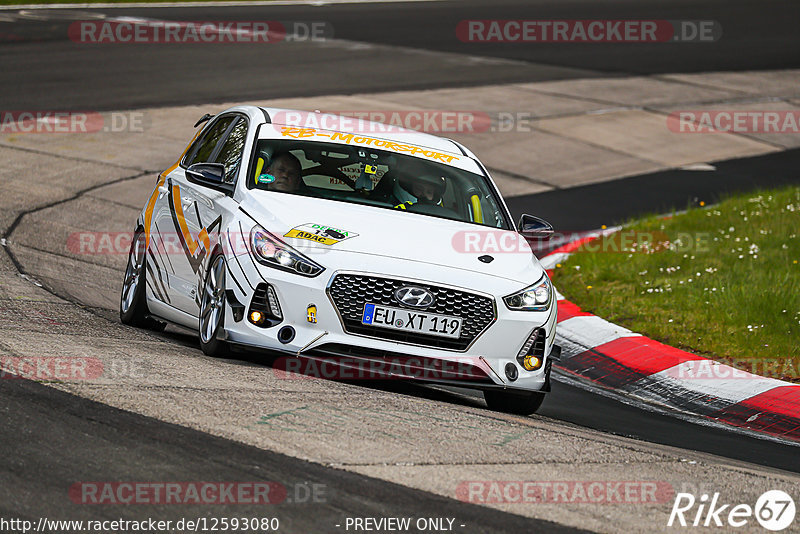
(349, 293)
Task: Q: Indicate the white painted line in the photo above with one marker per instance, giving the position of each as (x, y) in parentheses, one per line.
(590, 331)
(316, 3)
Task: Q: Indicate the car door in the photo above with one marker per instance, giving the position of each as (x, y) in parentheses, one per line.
(182, 230)
(214, 209)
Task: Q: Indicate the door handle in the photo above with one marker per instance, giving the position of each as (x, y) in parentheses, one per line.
(163, 190)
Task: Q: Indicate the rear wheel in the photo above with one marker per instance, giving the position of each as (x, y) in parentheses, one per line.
(516, 403)
(132, 302)
(212, 308)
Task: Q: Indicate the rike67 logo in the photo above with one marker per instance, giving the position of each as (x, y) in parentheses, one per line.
(774, 510)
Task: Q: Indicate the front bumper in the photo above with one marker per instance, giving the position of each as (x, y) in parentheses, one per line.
(496, 346)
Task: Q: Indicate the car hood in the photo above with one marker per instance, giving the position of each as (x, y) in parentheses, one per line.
(302, 222)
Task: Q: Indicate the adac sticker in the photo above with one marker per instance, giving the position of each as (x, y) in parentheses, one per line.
(319, 233)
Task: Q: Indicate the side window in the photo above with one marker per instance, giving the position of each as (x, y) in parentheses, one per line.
(231, 153)
(205, 146)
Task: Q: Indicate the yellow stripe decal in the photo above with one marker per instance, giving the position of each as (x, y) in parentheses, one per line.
(187, 235)
(151, 204)
(148, 212)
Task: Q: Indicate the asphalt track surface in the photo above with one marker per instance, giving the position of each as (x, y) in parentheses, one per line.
(43, 70)
(123, 445)
(618, 201)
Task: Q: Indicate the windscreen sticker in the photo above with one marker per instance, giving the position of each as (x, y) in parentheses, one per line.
(304, 133)
(319, 233)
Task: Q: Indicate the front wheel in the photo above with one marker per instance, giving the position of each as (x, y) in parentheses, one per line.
(212, 308)
(517, 402)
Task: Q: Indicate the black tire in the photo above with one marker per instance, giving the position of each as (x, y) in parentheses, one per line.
(211, 318)
(132, 301)
(517, 403)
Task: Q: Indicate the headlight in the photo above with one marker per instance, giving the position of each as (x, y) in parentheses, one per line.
(534, 298)
(271, 251)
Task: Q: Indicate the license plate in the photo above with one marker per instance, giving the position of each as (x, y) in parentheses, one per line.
(419, 322)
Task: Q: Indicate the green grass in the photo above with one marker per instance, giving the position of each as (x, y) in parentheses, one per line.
(722, 281)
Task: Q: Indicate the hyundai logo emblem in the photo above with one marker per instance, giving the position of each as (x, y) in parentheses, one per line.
(416, 297)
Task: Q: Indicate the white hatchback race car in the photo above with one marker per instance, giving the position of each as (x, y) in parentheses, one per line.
(354, 245)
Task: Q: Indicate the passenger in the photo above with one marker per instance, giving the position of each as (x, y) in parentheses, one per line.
(428, 189)
(425, 189)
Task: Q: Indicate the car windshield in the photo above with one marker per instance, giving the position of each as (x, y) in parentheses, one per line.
(375, 178)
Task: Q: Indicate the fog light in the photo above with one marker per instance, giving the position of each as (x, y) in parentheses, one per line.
(531, 362)
(257, 318)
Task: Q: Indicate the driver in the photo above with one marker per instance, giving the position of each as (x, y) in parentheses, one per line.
(286, 170)
(427, 189)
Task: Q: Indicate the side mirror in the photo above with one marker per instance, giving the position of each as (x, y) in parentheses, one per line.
(534, 228)
(210, 175)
